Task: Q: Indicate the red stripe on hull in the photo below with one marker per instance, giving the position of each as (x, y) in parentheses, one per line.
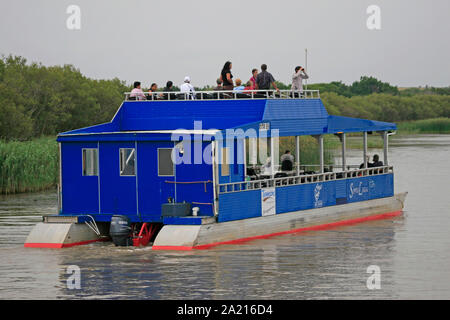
(58, 245)
(312, 228)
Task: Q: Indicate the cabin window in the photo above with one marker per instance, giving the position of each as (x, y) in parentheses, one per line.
(165, 163)
(225, 163)
(127, 161)
(90, 162)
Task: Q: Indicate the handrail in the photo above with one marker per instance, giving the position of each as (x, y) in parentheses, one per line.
(302, 179)
(225, 95)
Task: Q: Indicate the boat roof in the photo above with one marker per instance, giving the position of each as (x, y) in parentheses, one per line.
(157, 120)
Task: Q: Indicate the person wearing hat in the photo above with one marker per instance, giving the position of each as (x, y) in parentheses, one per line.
(187, 87)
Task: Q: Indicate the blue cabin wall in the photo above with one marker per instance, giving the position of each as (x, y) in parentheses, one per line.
(153, 190)
(140, 196)
(117, 193)
(194, 180)
(247, 204)
(80, 193)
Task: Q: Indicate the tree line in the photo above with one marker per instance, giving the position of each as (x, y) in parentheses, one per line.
(36, 100)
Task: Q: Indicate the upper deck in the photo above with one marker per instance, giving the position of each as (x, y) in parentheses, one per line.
(290, 113)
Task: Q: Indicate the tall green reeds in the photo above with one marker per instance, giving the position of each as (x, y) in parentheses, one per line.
(28, 166)
(437, 125)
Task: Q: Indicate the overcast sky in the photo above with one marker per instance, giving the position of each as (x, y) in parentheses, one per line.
(160, 40)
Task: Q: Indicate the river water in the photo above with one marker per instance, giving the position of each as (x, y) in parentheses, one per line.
(412, 251)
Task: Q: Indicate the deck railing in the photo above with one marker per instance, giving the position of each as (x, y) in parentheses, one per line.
(224, 95)
(302, 179)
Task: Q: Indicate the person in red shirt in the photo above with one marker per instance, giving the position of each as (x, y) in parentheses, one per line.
(253, 79)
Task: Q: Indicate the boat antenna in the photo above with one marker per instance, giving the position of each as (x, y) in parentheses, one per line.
(306, 67)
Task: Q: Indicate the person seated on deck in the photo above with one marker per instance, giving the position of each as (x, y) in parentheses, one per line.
(369, 165)
(376, 162)
(169, 88)
(239, 87)
(267, 168)
(188, 89)
(249, 87)
(152, 95)
(264, 79)
(287, 161)
(219, 85)
(137, 93)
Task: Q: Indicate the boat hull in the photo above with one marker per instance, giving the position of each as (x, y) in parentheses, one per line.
(187, 237)
(62, 235)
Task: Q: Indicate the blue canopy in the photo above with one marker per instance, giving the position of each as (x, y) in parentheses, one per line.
(290, 116)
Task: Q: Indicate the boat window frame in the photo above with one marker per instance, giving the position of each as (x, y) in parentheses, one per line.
(121, 170)
(84, 168)
(173, 163)
(225, 163)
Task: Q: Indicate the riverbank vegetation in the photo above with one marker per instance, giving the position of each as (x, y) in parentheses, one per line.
(39, 101)
(438, 125)
(28, 166)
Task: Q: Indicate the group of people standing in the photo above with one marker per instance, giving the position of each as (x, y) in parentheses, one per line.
(260, 80)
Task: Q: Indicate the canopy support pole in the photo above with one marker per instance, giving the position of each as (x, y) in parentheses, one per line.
(365, 149)
(322, 166)
(344, 146)
(385, 147)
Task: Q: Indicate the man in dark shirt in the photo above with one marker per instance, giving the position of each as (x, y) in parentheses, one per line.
(264, 79)
(376, 161)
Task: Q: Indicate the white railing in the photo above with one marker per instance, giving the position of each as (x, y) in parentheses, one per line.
(224, 94)
(302, 179)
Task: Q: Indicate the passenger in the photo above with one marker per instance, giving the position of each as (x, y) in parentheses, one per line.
(253, 78)
(137, 92)
(187, 87)
(368, 164)
(169, 88)
(264, 79)
(226, 77)
(376, 161)
(297, 79)
(249, 87)
(287, 161)
(239, 87)
(219, 85)
(267, 167)
(152, 92)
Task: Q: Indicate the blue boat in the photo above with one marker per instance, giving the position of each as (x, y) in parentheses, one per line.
(178, 171)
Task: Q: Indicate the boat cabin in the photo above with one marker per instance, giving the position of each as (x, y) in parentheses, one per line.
(203, 151)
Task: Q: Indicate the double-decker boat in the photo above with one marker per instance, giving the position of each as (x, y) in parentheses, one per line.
(179, 171)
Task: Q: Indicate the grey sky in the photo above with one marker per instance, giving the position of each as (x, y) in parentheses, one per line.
(160, 40)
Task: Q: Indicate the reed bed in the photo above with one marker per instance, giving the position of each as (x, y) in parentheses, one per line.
(436, 125)
(28, 166)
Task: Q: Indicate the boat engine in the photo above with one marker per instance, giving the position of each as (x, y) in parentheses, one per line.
(120, 231)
